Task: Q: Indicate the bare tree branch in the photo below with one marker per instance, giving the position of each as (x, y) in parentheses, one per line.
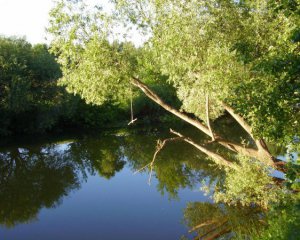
(159, 146)
(261, 154)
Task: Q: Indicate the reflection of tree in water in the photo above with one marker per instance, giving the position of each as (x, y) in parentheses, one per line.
(210, 221)
(220, 221)
(35, 177)
(104, 154)
(177, 166)
(31, 180)
(39, 176)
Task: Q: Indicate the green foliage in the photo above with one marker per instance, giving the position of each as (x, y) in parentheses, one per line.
(293, 166)
(244, 53)
(283, 222)
(280, 222)
(249, 184)
(241, 221)
(29, 99)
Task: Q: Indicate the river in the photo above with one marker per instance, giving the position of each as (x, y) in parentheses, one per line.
(86, 186)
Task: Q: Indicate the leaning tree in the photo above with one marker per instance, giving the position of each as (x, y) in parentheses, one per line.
(239, 57)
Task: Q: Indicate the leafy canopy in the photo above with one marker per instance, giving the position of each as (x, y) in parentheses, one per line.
(244, 53)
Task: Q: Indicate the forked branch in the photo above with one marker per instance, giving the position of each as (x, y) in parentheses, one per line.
(159, 146)
(262, 153)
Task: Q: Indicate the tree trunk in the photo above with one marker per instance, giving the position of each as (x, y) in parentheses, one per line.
(262, 152)
(215, 157)
(149, 93)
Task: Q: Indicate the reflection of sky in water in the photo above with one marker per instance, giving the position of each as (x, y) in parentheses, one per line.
(123, 207)
(23, 150)
(59, 148)
(293, 156)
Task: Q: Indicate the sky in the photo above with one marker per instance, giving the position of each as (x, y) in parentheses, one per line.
(27, 18)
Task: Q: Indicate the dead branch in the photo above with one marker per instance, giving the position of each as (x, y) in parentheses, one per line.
(132, 121)
(159, 146)
(142, 168)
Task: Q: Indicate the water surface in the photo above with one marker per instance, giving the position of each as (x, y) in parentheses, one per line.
(84, 187)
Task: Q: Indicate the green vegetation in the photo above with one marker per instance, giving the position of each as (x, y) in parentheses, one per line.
(241, 53)
(31, 101)
(239, 57)
(29, 97)
(201, 59)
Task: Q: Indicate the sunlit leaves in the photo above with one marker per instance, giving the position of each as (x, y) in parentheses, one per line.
(249, 184)
(244, 53)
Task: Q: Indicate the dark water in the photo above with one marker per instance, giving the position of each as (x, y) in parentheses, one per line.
(84, 187)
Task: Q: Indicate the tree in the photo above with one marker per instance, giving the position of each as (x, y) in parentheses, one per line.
(29, 96)
(241, 57)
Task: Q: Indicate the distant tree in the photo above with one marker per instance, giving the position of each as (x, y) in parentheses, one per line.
(29, 98)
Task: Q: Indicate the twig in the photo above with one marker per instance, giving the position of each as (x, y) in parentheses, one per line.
(159, 146)
(142, 168)
(132, 121)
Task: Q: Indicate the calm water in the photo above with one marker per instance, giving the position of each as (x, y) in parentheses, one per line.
(84, 187)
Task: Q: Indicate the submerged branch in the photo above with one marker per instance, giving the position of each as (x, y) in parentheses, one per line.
(220, 160)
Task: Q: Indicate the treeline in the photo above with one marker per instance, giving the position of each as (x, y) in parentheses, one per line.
(31, 101)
